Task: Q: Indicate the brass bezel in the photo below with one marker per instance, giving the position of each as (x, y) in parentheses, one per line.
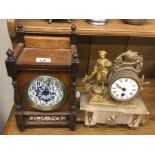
(126, 99)
(46, 108)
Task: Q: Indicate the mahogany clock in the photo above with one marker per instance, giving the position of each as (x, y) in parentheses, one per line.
(43, 70)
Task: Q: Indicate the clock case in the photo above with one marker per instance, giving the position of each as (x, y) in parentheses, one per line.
(21, 67)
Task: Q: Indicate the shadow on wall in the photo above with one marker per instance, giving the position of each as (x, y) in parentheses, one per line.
(6, 90)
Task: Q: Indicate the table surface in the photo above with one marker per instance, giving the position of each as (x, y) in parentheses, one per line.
(112, 28)
(148, 96)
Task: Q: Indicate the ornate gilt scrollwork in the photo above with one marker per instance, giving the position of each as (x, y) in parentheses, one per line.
(134, 121)
(111, 120)
(90, 117)
(129, 60)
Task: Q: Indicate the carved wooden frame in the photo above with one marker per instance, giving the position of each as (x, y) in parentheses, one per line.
(12, 70)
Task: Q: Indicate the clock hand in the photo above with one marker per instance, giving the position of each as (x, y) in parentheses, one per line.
(118, 86)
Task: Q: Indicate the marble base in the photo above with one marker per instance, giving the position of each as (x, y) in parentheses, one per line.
(113, 113)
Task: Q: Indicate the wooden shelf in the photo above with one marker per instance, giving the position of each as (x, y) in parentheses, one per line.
(148, 96)
(112, 28)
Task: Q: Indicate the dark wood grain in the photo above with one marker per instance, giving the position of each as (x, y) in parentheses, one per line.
(74, 72)
(12, 72)
(83, 47)
(20, 33)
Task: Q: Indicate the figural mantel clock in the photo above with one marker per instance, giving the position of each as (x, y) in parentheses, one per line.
(113, 92)
(43, 70)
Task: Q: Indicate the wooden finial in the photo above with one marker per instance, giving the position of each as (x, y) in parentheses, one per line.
(73, 34)
(19, 27)
(20, 33)
(10, 53)
(73, 27)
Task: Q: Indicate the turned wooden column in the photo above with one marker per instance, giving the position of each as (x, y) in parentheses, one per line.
(74, 72)
(12, 72)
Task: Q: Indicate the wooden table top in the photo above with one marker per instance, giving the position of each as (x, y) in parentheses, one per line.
(112, 28)
(148, 128)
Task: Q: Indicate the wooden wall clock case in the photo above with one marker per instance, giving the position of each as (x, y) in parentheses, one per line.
(21, 67)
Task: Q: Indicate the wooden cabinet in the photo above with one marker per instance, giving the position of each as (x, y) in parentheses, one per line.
(115, 37)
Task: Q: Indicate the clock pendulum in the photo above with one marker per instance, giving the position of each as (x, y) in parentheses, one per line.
(43, 70)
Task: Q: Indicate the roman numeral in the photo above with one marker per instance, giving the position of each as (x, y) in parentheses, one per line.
(114, 92)
(126, 80)
(120, 80)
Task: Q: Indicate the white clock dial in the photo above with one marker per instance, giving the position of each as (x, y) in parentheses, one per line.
(45, 92)
(124, 89)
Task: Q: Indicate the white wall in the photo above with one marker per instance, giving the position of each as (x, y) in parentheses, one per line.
(6, 89)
